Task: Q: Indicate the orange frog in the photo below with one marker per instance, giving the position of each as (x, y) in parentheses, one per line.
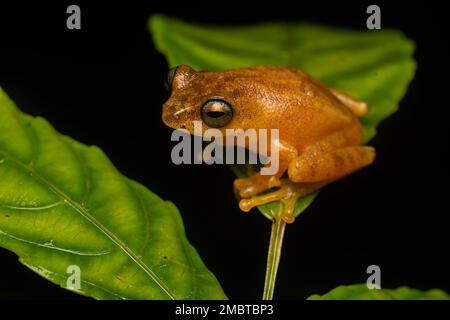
(320, 136)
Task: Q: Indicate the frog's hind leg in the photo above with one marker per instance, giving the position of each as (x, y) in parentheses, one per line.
(308, 174)
(331, 165)
(359, 108)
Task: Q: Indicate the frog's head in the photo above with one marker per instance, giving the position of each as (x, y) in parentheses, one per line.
(241, 98)
(196, 96)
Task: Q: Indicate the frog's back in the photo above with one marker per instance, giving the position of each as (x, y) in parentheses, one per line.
(303, 109)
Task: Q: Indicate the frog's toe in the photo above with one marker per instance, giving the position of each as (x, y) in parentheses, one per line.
(253, 185)
(247, 204)
(288, 194)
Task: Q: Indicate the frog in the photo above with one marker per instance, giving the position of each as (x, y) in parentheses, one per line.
(320, 135)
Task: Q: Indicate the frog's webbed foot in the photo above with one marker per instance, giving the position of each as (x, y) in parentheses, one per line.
(288, 193)
(257, 183)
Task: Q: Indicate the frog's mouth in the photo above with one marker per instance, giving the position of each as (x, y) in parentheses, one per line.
(168, 118)
(173, 116)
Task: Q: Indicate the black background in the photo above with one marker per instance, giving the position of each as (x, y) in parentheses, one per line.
(103, 85)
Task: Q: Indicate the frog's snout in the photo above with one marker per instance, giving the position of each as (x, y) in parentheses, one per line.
(171, 116)
(167, 116)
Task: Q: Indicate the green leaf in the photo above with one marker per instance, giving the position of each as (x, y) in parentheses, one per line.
(373, 66)
(361, 292)
(63, 203)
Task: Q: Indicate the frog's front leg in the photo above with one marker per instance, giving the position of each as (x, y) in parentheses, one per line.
(257, 183)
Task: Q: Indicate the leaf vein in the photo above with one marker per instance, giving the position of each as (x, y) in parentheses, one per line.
(86, 214)
(53, 247)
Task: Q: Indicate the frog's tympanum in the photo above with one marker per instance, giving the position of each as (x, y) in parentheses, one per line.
(320, 136)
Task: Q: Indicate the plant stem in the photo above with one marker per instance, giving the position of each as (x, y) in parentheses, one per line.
(273, 257)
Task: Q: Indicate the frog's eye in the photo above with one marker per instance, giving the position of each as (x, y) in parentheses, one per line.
(169, 78)
(216, 113)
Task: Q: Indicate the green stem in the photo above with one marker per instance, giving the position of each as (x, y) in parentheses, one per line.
(273, 257)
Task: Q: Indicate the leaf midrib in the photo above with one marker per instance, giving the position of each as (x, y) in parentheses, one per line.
(85, 214)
